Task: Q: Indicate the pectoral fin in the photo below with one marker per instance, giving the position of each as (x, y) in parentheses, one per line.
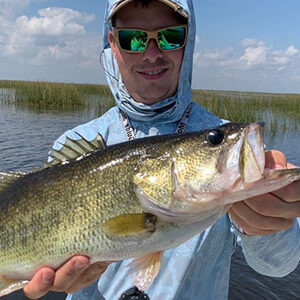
(8, 285)
(130, 224)
(148, 267)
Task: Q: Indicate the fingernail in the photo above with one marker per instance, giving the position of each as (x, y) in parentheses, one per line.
(79, 264)
(47, 277)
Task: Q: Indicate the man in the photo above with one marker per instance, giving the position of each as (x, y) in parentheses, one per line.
(151, 82)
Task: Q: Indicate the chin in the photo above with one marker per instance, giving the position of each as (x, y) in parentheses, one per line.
(151, 98)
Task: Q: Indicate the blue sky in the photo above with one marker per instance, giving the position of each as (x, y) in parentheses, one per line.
(249, 45)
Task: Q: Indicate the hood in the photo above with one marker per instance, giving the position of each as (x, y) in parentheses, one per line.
(168, 110)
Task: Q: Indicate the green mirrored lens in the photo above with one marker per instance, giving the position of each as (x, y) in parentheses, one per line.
(171, 38)
(133, 40)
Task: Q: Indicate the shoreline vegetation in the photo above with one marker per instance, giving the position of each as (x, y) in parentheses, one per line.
(277, 110)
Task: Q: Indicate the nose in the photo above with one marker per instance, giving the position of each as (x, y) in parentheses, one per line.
(152, 52)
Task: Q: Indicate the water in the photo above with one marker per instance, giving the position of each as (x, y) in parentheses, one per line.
(26, 136)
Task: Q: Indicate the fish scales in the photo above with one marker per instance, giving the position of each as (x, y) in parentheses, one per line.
(81, 193)
(128, 200)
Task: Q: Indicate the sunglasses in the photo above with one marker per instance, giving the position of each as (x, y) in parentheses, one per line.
(137, 40)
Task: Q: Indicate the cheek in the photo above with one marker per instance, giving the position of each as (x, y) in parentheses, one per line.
(125, 62)
(177, 57)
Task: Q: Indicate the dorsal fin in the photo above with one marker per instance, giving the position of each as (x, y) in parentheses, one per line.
(7, 178)
(73, 149)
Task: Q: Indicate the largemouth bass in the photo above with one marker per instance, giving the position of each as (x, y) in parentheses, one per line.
(134, 199)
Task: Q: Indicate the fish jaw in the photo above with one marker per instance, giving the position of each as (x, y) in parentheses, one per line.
(271, 180)
(252, 156)
(183, 216)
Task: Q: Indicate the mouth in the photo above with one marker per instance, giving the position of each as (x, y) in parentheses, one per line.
(253, 153)
(153, 74)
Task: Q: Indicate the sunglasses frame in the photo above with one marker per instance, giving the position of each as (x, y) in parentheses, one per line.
(151, 35)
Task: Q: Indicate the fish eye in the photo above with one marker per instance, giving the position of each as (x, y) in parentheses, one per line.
(215, 137)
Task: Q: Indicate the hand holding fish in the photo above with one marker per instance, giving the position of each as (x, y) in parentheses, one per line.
(74, 275)
(272, 212)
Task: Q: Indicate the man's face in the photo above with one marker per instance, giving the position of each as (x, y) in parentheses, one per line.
(152, 75)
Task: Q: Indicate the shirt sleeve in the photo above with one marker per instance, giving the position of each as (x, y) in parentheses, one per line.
(274, 255)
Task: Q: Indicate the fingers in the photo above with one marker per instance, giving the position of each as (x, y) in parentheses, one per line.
(254, 223)
(75, 274)
(290, 193)
(69, 272)
(47, 279)
(275, 159)
(271, 212)
(249, 230)
(270, 205)
(40, 284)
(88, 276)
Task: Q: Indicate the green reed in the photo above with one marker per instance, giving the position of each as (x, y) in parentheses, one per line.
(278, 111)
(52, 95)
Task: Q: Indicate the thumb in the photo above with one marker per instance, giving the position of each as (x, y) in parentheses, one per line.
(275, 160)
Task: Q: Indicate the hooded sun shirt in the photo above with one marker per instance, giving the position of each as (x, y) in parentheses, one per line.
(159, 118)
(170, 109)
(198, 268)
(167, 110)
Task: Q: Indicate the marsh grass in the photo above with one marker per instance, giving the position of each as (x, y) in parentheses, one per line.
(278, 111)
(52, 95)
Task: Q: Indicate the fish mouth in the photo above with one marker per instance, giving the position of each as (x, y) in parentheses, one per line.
(252, 157)
(181, 217)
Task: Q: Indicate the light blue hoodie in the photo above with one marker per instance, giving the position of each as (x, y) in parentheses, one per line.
(159, 118)
(199, 268)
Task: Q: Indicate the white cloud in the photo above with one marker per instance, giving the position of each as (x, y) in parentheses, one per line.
(281, 61)
(54, 21)
(56, 34)
(251, 42)
(291, 51)
(217, 57)
(253, 65)
(254, 56)
(82, 51)
(10, 8)
(283, 58)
